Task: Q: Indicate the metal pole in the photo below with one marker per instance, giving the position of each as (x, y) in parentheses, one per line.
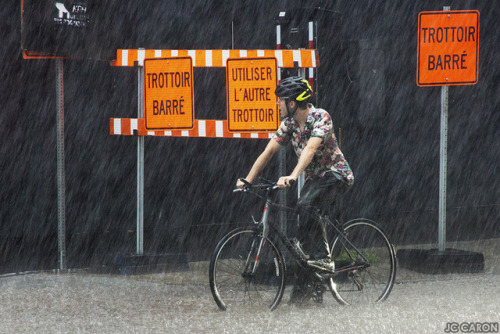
(140, 166)
(281, 152)
(443, 147)
(442, 168)
(301, 178)
(61, 185)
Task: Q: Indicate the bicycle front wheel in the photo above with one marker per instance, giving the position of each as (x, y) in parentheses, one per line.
(365, 262)
(247, 270)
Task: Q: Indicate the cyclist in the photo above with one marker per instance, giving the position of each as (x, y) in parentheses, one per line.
(328, 175)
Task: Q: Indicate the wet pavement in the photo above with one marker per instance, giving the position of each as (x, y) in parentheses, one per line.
(181, 302)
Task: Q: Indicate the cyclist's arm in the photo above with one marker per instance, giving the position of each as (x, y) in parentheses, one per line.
(305, 159)
(261, 162)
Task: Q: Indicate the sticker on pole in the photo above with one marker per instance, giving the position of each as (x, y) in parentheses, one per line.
(448, 48)
(168, 93)
(251, 102)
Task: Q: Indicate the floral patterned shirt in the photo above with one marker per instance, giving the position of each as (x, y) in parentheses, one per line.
(328, 156)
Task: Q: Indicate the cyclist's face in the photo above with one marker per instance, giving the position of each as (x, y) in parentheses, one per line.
(282, 107)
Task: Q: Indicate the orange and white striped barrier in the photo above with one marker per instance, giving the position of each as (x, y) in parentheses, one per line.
(202, 128)
(217, 58)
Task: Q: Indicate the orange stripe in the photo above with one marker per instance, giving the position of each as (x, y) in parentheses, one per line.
(125, 123)
(210, 128)
(133, 55)
(288, 58)
(269, 53)
(225, 131)
(149, 54)
(217, 58)
(141, 127)
(252, 53)
(194, 131)
(306, 58)
(234, 53)
(200, 58)
(112, 126)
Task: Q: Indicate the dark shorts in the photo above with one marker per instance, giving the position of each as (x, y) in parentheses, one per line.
(322, 192)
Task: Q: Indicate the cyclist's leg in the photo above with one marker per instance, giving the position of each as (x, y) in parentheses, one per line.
(305, 234)
(319, 193)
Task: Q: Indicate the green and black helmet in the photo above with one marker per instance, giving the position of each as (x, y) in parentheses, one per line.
(294, 88)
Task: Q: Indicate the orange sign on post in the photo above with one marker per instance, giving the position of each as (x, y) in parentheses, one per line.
(168, 93)
(448, 48)
(251, 102)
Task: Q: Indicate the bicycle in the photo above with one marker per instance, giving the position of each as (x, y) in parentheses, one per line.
(247, 266)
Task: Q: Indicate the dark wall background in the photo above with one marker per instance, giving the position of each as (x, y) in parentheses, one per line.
(389, 127)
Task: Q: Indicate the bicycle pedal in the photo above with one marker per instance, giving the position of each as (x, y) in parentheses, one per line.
(318, 290)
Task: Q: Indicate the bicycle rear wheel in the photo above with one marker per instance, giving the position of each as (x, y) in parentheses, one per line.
(235, 281)
(365, 265)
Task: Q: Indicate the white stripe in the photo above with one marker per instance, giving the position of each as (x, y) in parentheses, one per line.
(297, 57)
(175, 53)
(271, 135)
(237, 135)
(278, 35)
(141, 54)
(254, 135)
(208, 58)
(133, 124)
(225, 55)
(311, 72)
(151, 133)
(260, 53)
(219, 129)
(202, 128)
(243, 53)
(313, 57)
(117, 126)
(311, 31)
(279, 57)
(185, 133)
(192, 53)
(157, 53)
(168, 133)
(124, 57)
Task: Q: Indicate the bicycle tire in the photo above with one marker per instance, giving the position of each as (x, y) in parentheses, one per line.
(368, 283)
(231, 282)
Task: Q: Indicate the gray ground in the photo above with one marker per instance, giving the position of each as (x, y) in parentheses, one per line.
(180, 302)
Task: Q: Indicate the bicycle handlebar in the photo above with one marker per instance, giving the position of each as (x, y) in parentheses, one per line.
(266, 184)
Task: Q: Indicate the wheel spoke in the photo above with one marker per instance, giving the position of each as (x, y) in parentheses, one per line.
(369, 281)
(231, 286)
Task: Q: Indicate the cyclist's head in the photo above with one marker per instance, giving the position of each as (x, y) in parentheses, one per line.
(295, 89)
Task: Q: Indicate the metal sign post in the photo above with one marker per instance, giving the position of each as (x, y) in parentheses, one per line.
(61, 184)
(140, 166)
(443, 160)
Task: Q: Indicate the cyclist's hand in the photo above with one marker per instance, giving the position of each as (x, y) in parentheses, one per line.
(240, 184)
(286, 181)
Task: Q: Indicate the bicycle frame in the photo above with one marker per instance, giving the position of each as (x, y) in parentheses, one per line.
(268, 226)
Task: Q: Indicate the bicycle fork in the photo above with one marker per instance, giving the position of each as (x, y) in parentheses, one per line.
(265, 233)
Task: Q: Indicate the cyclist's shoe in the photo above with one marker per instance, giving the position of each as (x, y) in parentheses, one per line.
(323, 264)
(298, 248)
